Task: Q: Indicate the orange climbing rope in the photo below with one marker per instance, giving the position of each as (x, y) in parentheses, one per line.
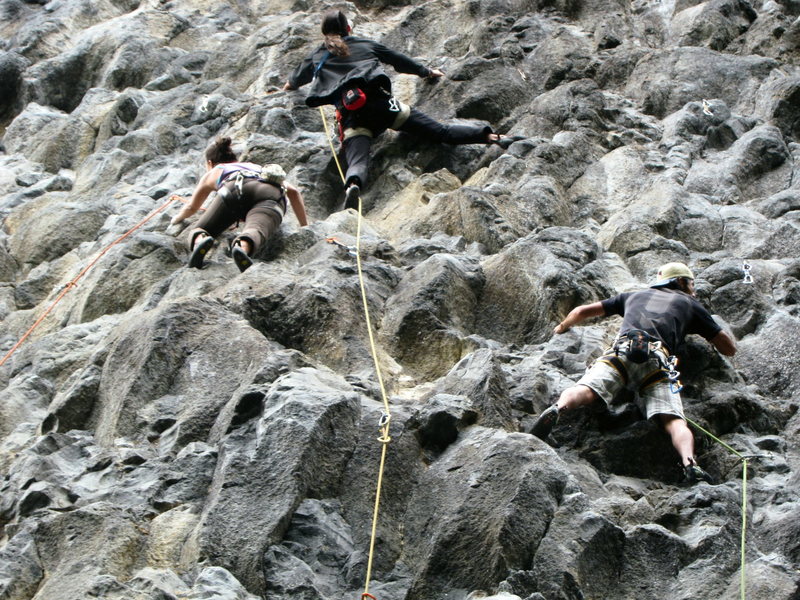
(85, 270)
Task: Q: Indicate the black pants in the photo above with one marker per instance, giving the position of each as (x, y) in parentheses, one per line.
(261, 207)
(356, 149)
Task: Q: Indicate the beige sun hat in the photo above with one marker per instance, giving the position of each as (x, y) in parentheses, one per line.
(670, 272)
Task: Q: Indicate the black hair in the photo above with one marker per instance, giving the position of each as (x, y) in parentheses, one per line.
(334, 27)
(677, 283)
(220, 151)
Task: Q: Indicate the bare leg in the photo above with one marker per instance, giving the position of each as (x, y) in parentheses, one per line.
(572, 397)
(246, 245)
(681, 436)
(576, 396)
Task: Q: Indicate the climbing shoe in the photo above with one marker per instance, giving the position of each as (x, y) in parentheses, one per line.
(243, 262)
(545, 423)
(693, 474)
(201, 248)
(351, 196)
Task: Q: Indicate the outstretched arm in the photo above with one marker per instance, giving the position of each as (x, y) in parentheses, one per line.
(579, 314)
(298, 206)
(301, 75)
(401, 62)
(724, 343)
(204, 187)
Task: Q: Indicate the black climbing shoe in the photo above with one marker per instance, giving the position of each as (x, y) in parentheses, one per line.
(504, 141)
(693, 474)
(241, 259)
(544, 424)
(201, 248)
(351, 196)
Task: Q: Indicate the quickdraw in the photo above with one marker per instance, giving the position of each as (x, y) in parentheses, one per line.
(349, 249)
(748, 277)
(670, 365)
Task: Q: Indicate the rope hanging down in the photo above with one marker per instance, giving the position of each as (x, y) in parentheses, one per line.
(85, 270)
(744, 459)
(386, 418)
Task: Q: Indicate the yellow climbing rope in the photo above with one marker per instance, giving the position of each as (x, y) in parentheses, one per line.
(743, 458)
(384, 423)
(333, 151)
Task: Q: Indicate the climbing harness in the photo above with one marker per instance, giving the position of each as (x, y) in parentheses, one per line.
(74, 282)
(386, 417)
(743, 458)
(638, 346)
(748, 277)
(232, 189)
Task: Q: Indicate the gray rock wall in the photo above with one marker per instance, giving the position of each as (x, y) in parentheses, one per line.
(174, 433)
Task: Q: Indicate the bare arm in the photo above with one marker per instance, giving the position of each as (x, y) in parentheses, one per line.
(724, 343)
(298, 206)
(204, 187)
(579, 315)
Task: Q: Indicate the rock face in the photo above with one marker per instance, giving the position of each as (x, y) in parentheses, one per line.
(176, 433)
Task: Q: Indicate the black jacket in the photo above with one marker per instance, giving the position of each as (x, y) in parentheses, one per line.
(362, 68)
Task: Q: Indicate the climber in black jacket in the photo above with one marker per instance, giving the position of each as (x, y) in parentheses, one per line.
(346, 71)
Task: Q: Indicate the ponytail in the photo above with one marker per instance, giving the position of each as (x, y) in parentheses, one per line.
(220, 151)
(334, 26)
(336, 45)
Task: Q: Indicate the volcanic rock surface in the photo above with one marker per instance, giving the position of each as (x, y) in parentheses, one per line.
(171, 433)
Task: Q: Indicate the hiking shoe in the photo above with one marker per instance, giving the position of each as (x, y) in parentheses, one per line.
(351, 196)
(693, 473)
(199, 252)
(243, 262)
(544, 424)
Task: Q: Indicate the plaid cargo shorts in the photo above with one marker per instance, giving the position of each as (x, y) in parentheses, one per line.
(611, 373)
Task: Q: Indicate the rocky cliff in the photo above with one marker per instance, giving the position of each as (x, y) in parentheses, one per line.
(173, 433)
